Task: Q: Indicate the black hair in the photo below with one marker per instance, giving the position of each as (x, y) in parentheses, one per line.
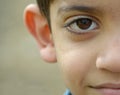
(44, 6)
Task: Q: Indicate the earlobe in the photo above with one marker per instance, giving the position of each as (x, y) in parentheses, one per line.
(48, 54)
(39, 28)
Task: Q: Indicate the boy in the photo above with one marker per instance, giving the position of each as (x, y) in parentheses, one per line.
(83, 37)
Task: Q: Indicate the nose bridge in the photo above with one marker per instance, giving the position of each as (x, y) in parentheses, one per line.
(109, 58)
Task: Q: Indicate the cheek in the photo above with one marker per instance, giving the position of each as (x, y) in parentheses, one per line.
(75, 66)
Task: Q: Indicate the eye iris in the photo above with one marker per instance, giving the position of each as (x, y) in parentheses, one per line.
(84, 23)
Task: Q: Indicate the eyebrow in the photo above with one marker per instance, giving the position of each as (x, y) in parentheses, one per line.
(87, 9)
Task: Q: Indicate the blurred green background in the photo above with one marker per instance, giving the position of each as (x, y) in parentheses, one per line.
(22, 72)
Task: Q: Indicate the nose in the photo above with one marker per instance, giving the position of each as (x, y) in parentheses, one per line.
(109, 58)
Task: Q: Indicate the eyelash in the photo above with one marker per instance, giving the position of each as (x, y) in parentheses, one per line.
(71, 24)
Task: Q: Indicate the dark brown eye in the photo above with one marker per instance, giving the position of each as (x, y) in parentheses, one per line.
(81, 24)
(84, 23)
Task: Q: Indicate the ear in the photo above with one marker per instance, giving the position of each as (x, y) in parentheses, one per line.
(39, 28)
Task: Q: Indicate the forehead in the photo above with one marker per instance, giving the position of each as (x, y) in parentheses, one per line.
(109, 7)
(87, 1)
(91, 3)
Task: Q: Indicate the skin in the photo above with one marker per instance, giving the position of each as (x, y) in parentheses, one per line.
(85, 59)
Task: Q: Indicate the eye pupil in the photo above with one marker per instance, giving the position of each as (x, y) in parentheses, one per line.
(84, 23)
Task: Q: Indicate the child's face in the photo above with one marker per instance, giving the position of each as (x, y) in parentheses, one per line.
(86, 34)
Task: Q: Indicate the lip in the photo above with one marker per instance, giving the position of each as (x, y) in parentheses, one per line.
(107, 89)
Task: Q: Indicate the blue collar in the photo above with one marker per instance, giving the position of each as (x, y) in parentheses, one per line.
(67, 92)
